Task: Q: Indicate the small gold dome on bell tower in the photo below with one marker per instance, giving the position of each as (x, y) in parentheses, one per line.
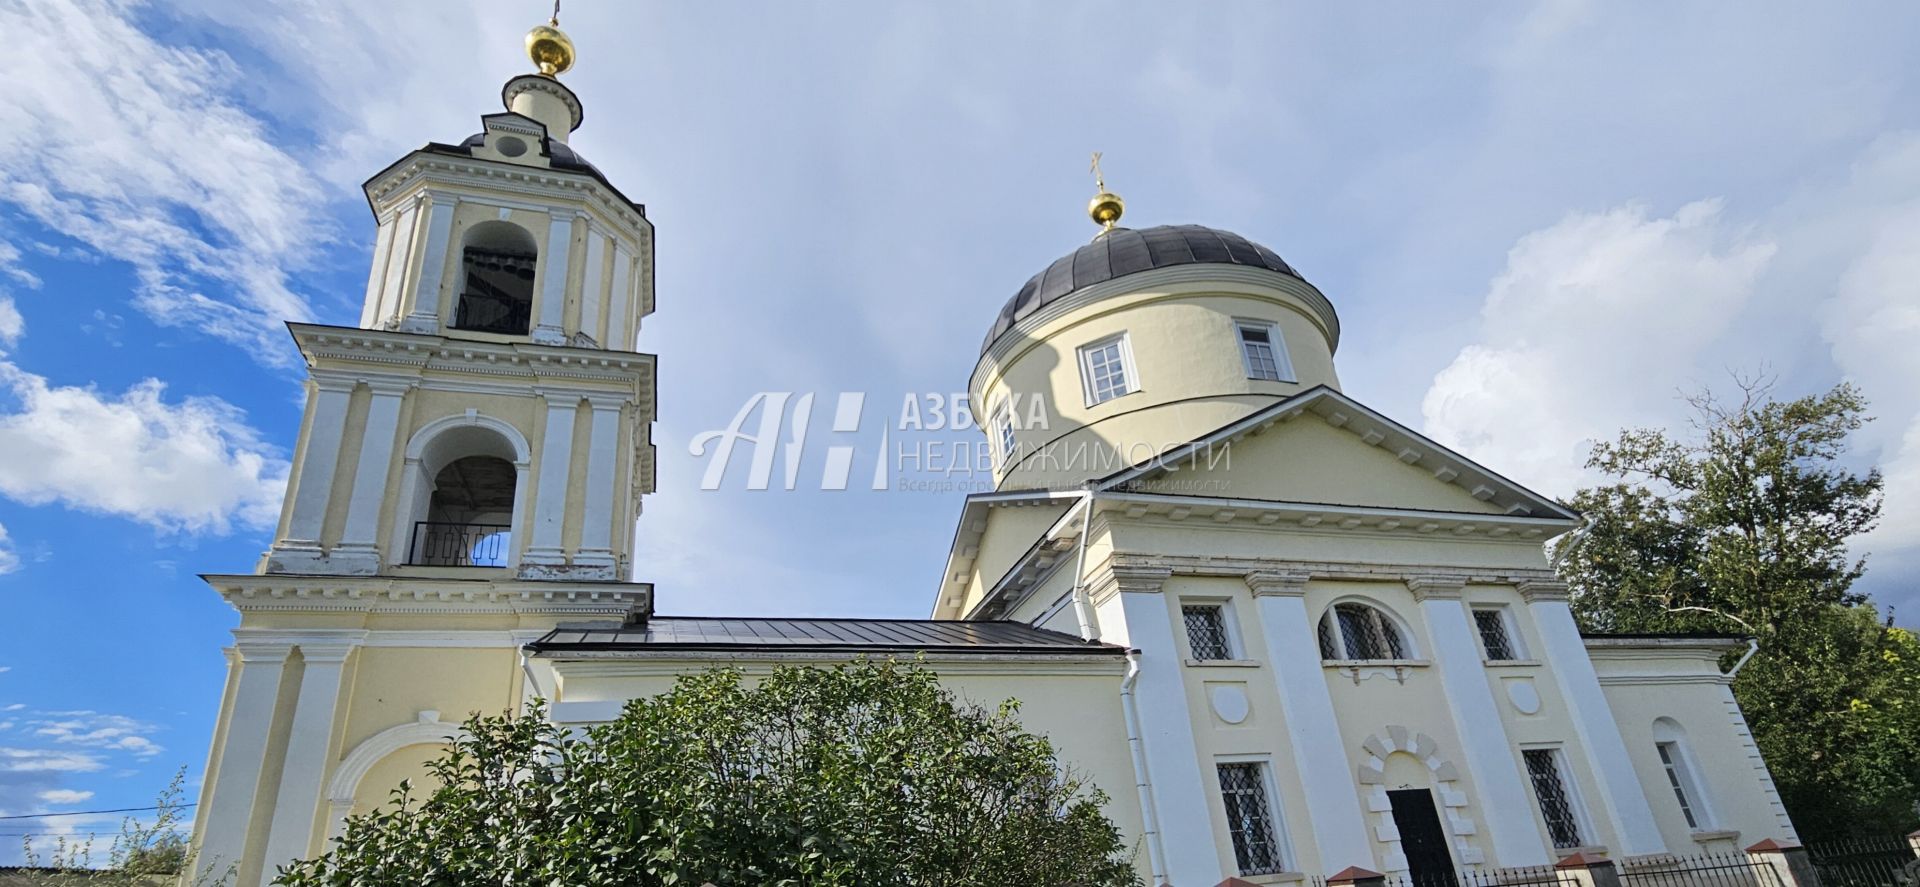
(550, 48)
(1106, 207)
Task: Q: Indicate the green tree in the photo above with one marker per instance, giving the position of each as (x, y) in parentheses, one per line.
(867, 774)
(1742, 526)
(147, 852)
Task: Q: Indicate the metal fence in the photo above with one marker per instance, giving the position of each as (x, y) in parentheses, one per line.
(1865, 862)
(1710, 870)
(1519, 876)
(458, 545)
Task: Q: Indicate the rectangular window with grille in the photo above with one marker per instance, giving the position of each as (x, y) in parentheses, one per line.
(1556, 802)
(1265, 356)
(1367, 634)
(1105, 370)
(1250, 819)
(1207, 631)
(1678, 777)
(1495, 639)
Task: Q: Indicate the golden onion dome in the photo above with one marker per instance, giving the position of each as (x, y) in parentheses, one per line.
(550, 49)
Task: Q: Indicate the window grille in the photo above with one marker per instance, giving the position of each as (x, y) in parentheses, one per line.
(1365, 633)
(1670, 761)
(1550, 789)
(1494, 638)
(1105, 369)
(1250, 821)
(1207, 631)
(1257, 346)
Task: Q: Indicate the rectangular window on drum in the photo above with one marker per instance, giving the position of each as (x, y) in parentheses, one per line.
(1250, 818)
(1106, 370)
(1263, 352)
(1207, 631)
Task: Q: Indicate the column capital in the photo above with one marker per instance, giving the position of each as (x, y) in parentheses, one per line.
(389, 385)
(1532, 590)
(328, 653)
(1436, 586)
(335, 384)
(1277, 583)
(263, 652)
(1133, 576)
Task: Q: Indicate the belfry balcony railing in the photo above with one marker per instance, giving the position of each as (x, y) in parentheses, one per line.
(437, 544)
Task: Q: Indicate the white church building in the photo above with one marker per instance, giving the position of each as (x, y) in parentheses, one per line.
(1285, 633)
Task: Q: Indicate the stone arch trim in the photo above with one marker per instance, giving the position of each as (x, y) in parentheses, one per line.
(428, 730)
(417, 445)
(1451, 795)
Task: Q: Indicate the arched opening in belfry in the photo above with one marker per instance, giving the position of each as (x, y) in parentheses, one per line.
(469, 516)
(496, 294)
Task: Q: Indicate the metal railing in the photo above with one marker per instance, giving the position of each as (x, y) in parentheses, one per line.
(1708, 870)
(1865, 861)
(1517, 876)
(437, 544)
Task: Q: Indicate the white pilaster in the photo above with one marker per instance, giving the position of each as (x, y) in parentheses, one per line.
(1319, 752)
(425, 316)
(1487, 750)
(592, 294)
(317, 464)
(229, 808)
(393, 280)
(370, 312)
(556, 463)
(603, 456)
(1621, 794)
(290, 835)
(620, 299)
(358, 553)
(553, 291)
(1181, 787)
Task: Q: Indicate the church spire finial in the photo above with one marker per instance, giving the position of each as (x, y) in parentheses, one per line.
(1106, 206)
(549, 47)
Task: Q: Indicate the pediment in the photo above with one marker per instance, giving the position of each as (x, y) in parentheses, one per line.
(1323, 447)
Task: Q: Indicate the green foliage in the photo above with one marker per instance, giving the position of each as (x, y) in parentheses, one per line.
(1743, 527)
(146, 852)
(868, 774)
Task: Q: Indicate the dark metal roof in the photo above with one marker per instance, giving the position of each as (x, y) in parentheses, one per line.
(1125, 251)
(837, 635)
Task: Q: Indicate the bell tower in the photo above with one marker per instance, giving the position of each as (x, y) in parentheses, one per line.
(468, 476)
(489, 409)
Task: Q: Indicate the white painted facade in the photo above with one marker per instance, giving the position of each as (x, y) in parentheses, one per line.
(1349, 562)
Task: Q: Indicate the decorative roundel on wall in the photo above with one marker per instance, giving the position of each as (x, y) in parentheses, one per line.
(1229, 702)
(510, 146)
(1524, 697)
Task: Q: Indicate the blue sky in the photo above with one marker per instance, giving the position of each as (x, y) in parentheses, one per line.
(1538, 225)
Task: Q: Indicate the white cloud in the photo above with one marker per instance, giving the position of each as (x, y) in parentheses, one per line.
(193, 465)
(139, 150)
(14, 707)
(11, 323)
(89, 729)
(64, 796)
(1590, 328)
(9, 562)
(43, 760)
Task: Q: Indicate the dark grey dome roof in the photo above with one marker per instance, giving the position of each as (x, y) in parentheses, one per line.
(1125, 251)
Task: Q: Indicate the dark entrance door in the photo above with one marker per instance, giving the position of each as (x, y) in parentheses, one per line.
(1422, 839)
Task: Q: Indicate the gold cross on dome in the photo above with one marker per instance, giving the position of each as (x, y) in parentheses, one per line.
(1099, 182)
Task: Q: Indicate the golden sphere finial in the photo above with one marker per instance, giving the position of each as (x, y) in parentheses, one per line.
(550, 49)
(1106, 207)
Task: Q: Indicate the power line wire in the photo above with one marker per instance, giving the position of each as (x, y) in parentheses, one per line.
(93, 812)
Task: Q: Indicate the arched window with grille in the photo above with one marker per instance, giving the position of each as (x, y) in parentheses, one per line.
(1353, 631)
